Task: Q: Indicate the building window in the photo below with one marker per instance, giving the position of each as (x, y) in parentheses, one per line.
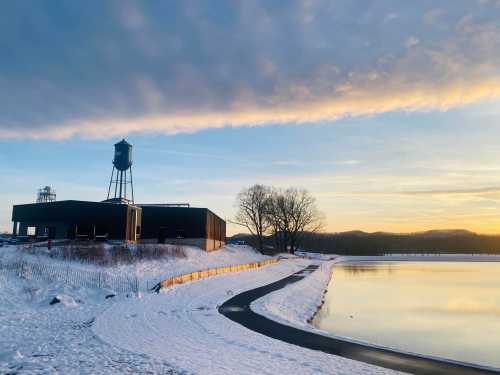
(31, 231)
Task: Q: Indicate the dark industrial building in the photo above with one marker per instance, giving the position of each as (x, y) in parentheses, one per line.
(117, 217)
(78, 219)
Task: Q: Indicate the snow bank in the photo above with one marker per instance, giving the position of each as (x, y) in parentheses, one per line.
(196, 260)
(147, 272)
(296, 304)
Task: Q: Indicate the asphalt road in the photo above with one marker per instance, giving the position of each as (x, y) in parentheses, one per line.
(238, 309)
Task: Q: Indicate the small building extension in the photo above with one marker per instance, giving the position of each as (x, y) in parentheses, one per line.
(184, 225)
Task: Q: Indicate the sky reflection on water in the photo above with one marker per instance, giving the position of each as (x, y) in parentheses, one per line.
(448, 309)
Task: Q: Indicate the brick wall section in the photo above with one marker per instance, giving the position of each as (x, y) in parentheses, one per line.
(197, 275)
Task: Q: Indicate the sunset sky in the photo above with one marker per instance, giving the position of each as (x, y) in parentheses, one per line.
(388, 112)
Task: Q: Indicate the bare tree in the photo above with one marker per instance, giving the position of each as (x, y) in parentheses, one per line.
(291, 213)
(304, 216)
(276, 216)
(252, 211)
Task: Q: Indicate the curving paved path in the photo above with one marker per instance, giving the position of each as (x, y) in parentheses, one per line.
(238, 310)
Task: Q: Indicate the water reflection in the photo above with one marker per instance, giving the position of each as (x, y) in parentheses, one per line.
(448, 309)
(355, 268)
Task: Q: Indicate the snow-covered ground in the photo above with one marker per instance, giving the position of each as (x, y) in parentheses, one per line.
(149, 272)
(39, 338)
(296, 304)
(196, 259)
(316, 256)
(182, 326)
(176, 331)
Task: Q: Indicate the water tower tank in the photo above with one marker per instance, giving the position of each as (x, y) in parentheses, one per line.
(123, 155)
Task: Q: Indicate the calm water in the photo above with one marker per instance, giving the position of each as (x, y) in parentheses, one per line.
(445, 309)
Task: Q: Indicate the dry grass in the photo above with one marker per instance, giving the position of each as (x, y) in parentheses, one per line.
(70, 276)
(107, 255)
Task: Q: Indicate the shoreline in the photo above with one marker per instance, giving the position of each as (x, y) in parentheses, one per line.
(262, 305)
(419, 257)
(237, 309)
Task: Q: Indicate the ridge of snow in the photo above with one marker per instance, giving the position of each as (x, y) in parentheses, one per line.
(297, 304)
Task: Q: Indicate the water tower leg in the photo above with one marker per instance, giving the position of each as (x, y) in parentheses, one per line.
(131, 185)
(121, 183)
(111, 181)
(125, 186)
(116, 183)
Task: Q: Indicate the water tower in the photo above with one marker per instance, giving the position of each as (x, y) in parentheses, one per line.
(46, 194)
(122, 162)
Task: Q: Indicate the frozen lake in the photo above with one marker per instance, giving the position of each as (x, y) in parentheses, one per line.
(445, 309)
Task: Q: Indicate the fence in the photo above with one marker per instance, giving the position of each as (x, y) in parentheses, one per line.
(197, 275)
(75, 277)
(103, 280)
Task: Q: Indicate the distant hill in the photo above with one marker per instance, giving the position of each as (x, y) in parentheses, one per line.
(358, 233)
(239, 235)
(445, 233)
(428, 233)
(358, 242)
(450, 241)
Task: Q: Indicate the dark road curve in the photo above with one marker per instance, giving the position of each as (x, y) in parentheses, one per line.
(238, 310)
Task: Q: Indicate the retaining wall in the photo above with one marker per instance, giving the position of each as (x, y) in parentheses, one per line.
(197, 275)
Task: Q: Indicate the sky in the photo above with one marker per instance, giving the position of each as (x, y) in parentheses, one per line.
(388, 112)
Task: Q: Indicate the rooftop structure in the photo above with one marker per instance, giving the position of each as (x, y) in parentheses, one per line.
(46, 194)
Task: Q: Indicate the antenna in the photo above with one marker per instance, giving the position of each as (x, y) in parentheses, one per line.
(122, 163)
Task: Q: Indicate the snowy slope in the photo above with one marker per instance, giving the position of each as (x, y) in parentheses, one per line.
(39, 338)
(150, 272)
(182, 326)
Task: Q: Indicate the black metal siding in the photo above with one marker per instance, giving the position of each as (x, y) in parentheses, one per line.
(173, 221)
(106, 217)
(114, 219)
(186, 222)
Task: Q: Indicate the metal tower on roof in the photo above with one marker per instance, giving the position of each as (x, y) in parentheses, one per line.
(122, 162)
(46, 194)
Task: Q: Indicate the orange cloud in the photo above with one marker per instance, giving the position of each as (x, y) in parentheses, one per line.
(352, 101)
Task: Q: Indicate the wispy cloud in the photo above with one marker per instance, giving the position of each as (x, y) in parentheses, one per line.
(417, 193)
(186, 67)
(478, 191)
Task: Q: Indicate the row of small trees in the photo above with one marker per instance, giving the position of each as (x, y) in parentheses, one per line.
(284, 214)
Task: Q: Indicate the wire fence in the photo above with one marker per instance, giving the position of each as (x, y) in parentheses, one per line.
(75, 277)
